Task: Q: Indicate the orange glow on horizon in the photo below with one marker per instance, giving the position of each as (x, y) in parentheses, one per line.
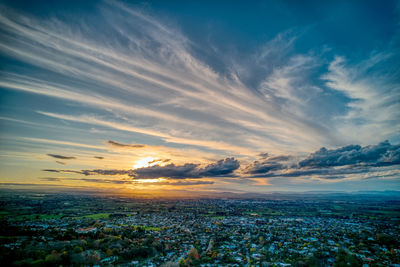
(148, 180)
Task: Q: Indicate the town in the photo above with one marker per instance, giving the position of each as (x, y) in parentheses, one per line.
(48, 229)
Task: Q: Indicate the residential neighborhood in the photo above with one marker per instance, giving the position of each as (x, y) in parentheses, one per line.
(204, 232)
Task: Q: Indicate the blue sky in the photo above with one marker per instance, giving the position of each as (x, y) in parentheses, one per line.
(157, 96)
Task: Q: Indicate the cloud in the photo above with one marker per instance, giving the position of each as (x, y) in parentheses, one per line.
(159, 160)
(104, 181)
(60, 142)
(60, 156)
(214, 145)
(22, 184)
(189, 170)
(292, 173)
(52, 170)
(224, 167)
(186, 183)
(382, 154)
(98, 157)
(105, 172)
(267, 164)
(91, 180)
(262, 167)
(381, 159)
(51, 179)
(335, 173)
(148, 80)
(325, 163)
(281, 158)
(372, 89)
(124, 181)
(93, 172)
(60, 162)
(263, 155)
(289, 83)
(121, 145)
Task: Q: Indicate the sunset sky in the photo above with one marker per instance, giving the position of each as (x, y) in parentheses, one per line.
(169, 97)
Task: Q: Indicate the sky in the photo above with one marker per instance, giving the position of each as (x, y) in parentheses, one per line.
(200, 97)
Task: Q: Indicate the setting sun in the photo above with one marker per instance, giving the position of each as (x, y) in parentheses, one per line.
(144, 162)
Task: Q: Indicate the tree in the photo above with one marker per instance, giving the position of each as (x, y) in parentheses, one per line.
(193, 254)
(346, 259)
(182, 262)
(109, 252)
(53, 257)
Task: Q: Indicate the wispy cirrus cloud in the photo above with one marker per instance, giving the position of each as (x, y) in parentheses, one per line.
(372, 87)
(213, 145)
(60, 142)
(178, 99)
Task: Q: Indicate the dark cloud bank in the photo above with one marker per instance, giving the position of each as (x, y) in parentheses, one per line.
(189, 170)
(267, 164)
(330, 163)
(382, 154)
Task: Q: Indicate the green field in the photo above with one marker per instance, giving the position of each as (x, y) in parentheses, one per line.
(148, 228)
(391, 213)
(97, 216)
(218, 217)
(37, 217)
(3, 213)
